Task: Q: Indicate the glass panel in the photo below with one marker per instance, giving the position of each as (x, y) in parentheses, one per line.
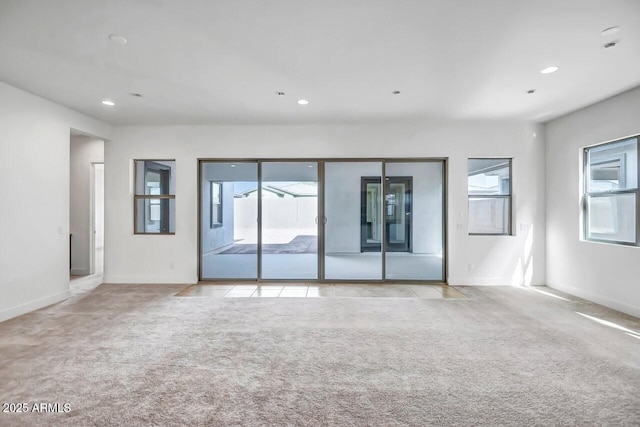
(155, 215)
(414, 220)
(216, 204)
(612, 218)
(229, 225)
(155, 177)
(488, 176)
(353, 230)
(488, 215)
(613, 166)
(289, 215)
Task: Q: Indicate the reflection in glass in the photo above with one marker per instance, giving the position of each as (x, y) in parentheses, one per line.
(155, 215)
(155, 177)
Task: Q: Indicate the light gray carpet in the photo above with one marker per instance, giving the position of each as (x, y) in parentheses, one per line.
(135, 355)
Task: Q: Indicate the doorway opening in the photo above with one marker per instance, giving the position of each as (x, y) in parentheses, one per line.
(97, 219)
(86, 210)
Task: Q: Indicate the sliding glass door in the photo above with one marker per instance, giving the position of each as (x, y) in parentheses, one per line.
(326, 220)
(289, 199)
(414, 220)
(354, 217)
(228, 220)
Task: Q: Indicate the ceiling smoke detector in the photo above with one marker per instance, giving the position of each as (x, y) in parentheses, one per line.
(531, 91)
(611, 44)
(280, 93)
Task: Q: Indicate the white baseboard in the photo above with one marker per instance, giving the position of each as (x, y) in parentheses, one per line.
(485, 281)
(30, 306)
(477, 281)
(598, 299)
(162, 280)
(79, 272)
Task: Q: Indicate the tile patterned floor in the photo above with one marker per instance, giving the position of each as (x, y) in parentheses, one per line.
(324, 290)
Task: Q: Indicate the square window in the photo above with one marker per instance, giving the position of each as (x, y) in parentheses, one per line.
(489, 193)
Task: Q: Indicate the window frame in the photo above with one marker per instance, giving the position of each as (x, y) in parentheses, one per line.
(218, 206)
(587, 194)
(158, 197)
(509, 197)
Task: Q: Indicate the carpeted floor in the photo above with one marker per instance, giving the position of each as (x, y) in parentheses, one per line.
(136, 355)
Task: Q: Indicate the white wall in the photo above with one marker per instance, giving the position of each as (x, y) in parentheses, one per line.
(604, 273)
(84, 151)
(480, 260)
(34, 199)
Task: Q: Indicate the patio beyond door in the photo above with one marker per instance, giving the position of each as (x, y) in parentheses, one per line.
(327, 220)
(289, 218)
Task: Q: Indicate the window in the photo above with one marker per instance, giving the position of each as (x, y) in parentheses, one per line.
(489, 190)
(154, 199)
(611, 192)
(216, 204)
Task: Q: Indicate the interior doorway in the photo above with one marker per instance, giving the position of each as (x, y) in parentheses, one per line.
(97, 219)
(86, 205)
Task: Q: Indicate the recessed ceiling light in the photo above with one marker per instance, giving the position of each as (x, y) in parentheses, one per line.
(280, 93)
(549, 70)
(396, 92)
(303, 102)
(609, 31)
(232, 165)
(610, 44)
(108, 102)
(310, 166)
(118, 39)
(531, 91)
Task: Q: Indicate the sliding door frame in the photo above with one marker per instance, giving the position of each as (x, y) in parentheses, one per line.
(321, 219)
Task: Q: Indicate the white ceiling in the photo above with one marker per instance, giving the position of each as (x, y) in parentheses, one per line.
(209, 62)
